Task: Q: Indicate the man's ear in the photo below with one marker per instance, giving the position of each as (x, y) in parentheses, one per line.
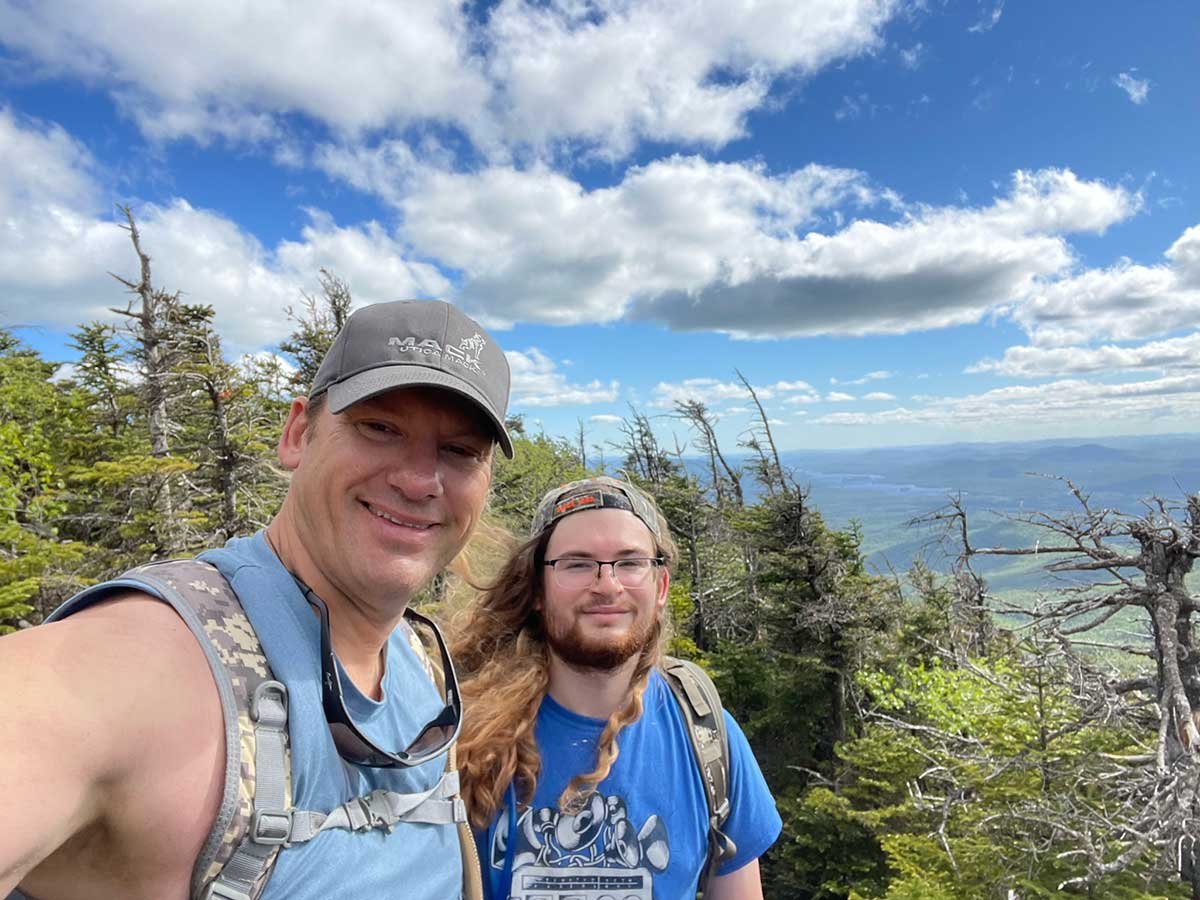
(295, 434)
(664, 588)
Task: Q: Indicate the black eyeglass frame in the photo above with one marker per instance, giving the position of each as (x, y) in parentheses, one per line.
(657, 562)
(354, 746)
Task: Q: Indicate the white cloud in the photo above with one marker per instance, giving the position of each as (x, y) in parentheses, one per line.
(879, 395)
(366, 256)
(877, 375)
(603, 74)
(1184, 256)
(935, 268)
(1138, 89)
(605, 419)
(536, 381)
(722, 246)
(386, 169)
(838, 397)
(708, 391)
(227, 68)
(990, 20)
(608, 74)
(910, 57)
(713, 392)
(61, 239)
(1123, 302)
(717, 246)
(1174, 354)
(534, 245)
(1059, 402)
(854, 108)
(42, 165)
(786, 386)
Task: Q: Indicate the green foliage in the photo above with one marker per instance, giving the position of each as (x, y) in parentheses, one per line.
(949, 775)
(679, 609)
(538, 464)
(911, 758)
(33, 420)
(824, 849)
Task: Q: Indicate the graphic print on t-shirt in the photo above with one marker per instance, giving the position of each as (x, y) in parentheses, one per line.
(593, 854)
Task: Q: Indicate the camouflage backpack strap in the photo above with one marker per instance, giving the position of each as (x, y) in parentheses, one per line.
(701, 706)
(241, 847)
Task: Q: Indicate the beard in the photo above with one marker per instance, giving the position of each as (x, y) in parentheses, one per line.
(602, 652)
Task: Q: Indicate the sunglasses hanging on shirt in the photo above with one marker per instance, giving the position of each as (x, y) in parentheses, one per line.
(355, 747)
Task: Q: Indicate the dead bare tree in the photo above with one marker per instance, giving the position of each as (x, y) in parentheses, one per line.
(150, 315)
(1125, 567)
(970, 628)
(769, 469)
(726, 479)
(644, 455)
(317, 324)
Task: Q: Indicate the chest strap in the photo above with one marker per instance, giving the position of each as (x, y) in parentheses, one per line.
(274, 824)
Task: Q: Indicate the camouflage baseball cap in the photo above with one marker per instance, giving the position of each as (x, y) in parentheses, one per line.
(599, 492)
(411, 343)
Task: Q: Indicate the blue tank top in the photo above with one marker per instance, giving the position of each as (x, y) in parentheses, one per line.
(415, 861)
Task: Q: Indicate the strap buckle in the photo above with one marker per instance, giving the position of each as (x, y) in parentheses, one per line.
(219, 890)
(271, 827)
(268, 706)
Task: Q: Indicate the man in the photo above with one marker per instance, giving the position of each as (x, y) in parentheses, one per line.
(575, 756)
(113, 756)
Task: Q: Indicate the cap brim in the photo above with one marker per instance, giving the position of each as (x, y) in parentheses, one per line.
(380, 380)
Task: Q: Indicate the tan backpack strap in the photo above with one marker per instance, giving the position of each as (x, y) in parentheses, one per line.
(471, 867)
(700, 704)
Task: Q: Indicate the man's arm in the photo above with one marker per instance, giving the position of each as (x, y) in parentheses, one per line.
(111, 721)
(743, 884)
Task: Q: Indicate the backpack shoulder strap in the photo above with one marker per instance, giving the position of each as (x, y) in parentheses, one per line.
(232, 865)
(256, 817)
(701, 706)
(471, 865)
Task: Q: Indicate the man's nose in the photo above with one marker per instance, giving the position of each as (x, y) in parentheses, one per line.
(415, 472)
(607, 581)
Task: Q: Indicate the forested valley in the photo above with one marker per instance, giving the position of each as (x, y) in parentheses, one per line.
(923, 739)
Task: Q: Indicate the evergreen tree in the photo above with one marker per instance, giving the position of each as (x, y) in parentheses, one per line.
(37, 565)
(317, 324)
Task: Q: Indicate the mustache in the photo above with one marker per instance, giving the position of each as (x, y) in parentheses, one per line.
(614, 607)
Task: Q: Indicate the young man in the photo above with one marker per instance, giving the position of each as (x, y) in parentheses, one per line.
(575, 756)
(113, 756)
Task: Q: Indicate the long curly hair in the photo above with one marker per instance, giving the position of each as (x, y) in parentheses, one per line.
(499, 646)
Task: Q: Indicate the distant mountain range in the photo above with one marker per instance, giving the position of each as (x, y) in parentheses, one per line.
(884, 488)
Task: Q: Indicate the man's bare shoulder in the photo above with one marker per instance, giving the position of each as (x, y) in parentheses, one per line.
(107, 661)
(112, 718)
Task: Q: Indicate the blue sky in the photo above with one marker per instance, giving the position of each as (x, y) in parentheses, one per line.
(901, 222)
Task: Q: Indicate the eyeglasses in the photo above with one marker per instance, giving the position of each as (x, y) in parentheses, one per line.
(355, 747)
(572, 572)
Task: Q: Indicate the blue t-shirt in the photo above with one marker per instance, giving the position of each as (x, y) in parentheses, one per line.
(643, 835)
(415, 861)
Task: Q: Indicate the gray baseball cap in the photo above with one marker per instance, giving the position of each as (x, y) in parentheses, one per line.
(599, 492)
(412, 343)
